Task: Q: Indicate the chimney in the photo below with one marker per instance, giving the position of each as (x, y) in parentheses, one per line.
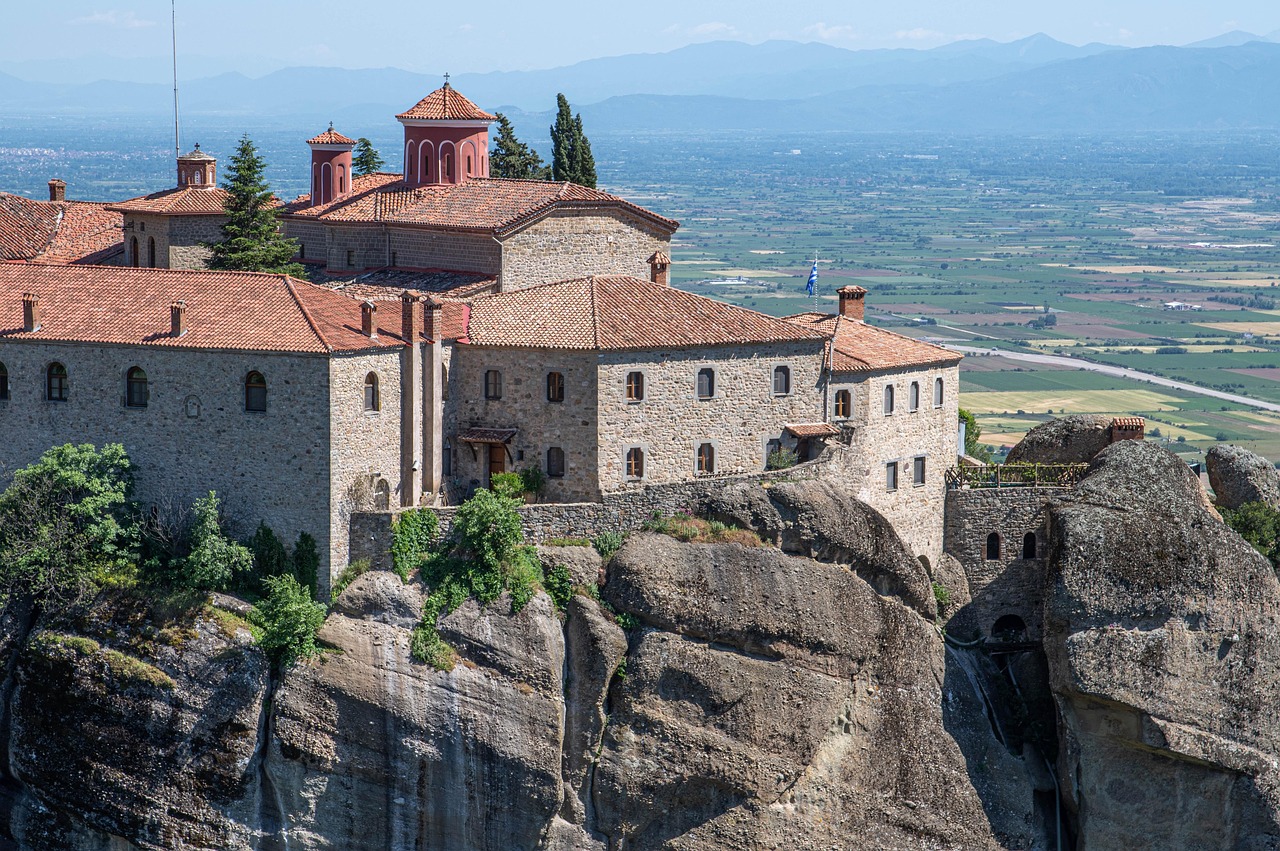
(30, 312)
(57, 190)
(660, 268)
(431, 312)
(408, 317)
(851, 302)
(369, 320)
(177, 319)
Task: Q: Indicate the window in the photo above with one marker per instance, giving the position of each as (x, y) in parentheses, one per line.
(781, 380)
(302, 251)
(133, 252)
(937, 393)
(844, 404)
(446, 459)
(255, 392)
(136, 394)
(394, 260)
(555, 387)
(913, 397)
(706, 458)
(888, 399)
(351, 259)
(4, 382)
(706, 383)
(555, 462)
(635, 386)
(448, 167)
(151, 252)
(993, 547)
(468, 164)
(891, 476)
(493, 384)
(635, 463)
(372, 400)
(56, 383)
(917, 470)
(1029, 545)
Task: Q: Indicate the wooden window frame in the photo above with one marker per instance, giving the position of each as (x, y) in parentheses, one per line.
(844, 404)
(635, 463)
(891, 476)
(555, 386)
(552, 472)
(709, 375)
(62, 385)
(782, 371)
(137, 392)
(635, 386)
(372, 393)
(705, 462)
(255, 393)
(492, 384)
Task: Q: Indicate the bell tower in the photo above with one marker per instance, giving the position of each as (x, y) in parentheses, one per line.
(446, 139)
(197, 170)
(330, 166)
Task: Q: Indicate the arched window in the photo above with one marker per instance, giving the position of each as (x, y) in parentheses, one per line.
(993, 547)
(136, 393)
(255, 392)
(888, 399)
(635, 386)
(342, 179)
(134, 260)
(706, 458)
(635, 463)
(55, 389)
(372, 399)
(555, 387)
(198, 177)
(151, 252)
(706, 383)
(4, 382)
(781, 380)
(555, 462)
(844, 404)
(448, 167)
(493, 384)
(1029, 545)
(913, 397)
(937, 393)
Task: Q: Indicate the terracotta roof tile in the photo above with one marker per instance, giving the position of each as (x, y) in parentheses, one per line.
(57, 231)
(486, 435)
(492, 205)
(617, 312)
(446, 104)
(858, 347)
(1128, 422)
(187, 201)
(331, 137)
(242, 311)
(811, 429)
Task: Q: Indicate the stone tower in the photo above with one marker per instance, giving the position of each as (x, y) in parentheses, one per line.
(330, 166)
(446, 139)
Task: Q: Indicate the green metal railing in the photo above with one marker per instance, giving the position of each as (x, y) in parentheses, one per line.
(1016, 476)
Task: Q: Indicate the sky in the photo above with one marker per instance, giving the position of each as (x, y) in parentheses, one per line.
(80, 40)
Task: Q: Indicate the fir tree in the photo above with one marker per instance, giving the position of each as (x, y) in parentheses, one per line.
(251, 238)
(571, 151)
(366, 159)
(512, 158)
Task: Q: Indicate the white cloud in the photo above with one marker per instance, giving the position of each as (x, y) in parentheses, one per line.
(115, 19)
(831, 32)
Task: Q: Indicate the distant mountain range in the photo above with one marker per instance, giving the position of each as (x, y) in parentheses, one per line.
(1033, 84)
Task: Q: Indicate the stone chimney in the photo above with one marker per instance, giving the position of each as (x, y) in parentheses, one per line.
(660, 268)
(852, 305)
(431, 313)
(177, 318)
(1128, 428)
(369, 320)
(57, 190)
(409, 317)
(30, 312)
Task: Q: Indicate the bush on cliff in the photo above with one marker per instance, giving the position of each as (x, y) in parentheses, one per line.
(413, 535)
(288, 619)
(215, 560)
(1259, 524)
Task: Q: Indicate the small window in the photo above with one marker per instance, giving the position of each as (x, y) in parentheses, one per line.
(4, 382)
(302, 251)
(136, 393)
(493, 384)
(56, 388)
(706, 458)
(635, 386)
(781, 380)
(993, 547)
(372, 399)
(151, 252)
(635, 463)
(255, 393)
(888, 399)
(555, 387)
(133, 252)
(891, 476)
(844, 404)
(917, 471)
(446, 459)
(706, 383)
(555, 462)
(351, 259)
(468, 164)
(937, 393)
(913, 397)
(1029, 545)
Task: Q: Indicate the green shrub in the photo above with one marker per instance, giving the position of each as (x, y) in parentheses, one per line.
(413, 534)
(567, 542)
(215, 561)
(270, 558)
(559, 585)
(349, 574)
(607, 543)
(941, 595)
(509, 485)
(532, 479)
(306, 563)
(781, 459)
(1259, 524)
(289, 620)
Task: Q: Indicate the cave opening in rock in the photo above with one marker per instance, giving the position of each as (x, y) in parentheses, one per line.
(1009, 628)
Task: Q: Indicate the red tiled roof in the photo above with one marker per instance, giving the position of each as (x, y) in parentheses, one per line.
(240, 311)
(492, 205)
(1128, 422)
(56, 231)
(187, 201)
(331, 137)
(858, 347)
(388, 284)
(486, 435)
(445, 104)
(811, 429)
(617, 312)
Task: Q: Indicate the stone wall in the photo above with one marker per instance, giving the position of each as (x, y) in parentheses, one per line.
(420, 248)
(574, 243)
(312, 238)
(1010, 584)
(178, 240)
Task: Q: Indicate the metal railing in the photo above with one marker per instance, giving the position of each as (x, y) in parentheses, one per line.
(1016, 476)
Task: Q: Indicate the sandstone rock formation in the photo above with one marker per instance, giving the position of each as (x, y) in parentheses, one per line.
(1074, 439)
(1239, 476)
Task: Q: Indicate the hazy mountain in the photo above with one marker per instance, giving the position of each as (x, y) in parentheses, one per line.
(1235, 38)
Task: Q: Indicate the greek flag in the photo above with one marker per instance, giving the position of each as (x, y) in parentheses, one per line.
(813, 278)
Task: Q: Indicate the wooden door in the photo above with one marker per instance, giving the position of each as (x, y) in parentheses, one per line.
(497, 458)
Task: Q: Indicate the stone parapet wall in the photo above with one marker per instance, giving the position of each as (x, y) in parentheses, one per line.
(574, 243)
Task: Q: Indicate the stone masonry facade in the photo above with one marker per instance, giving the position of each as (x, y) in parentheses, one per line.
(568, 243)
(179, 240)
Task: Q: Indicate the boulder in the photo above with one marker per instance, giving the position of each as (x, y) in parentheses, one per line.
(1239, 476)
(583, 563)
(381, 596)
(1067, 440)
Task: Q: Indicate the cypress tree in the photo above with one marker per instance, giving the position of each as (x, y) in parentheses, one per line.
(512, 158)
(251, 238)
(586, 162)
(563, 132)
(366, 159)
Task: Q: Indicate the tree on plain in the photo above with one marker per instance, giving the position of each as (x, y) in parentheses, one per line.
(251, 238)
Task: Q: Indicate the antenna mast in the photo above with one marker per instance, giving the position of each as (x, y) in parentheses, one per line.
(177, 138)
